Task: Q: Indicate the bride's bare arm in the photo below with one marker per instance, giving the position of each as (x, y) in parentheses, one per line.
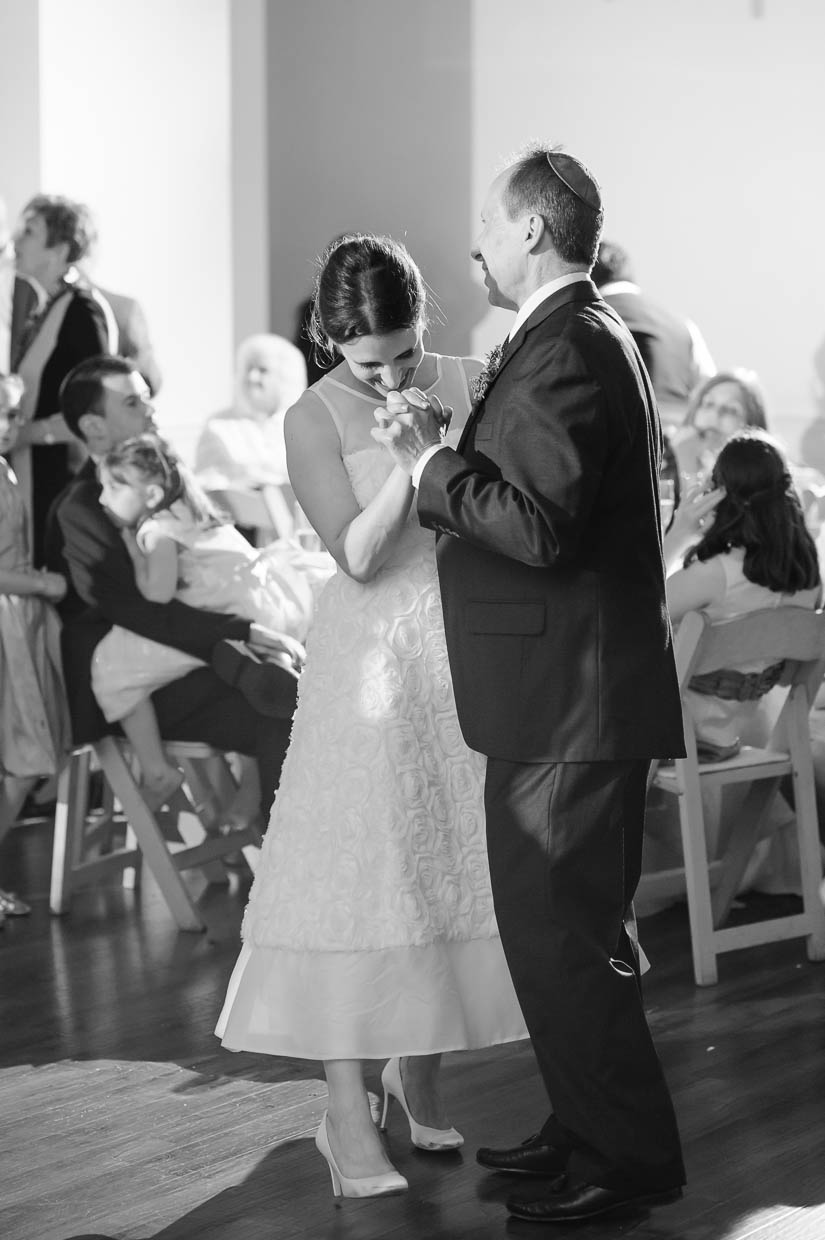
(360, 541)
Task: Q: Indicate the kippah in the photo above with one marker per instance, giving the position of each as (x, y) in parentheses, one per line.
(572, 173)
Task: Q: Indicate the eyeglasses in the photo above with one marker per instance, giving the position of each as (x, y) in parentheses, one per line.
(575, 176)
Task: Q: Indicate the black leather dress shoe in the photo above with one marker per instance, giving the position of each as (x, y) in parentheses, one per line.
(570, 1205)
(269, 685)
(533, 1157)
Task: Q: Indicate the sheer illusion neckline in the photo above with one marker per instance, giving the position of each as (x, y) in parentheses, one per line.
(365, 392)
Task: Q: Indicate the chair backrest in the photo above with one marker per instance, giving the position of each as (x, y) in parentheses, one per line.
(795, 635)
(266, 509)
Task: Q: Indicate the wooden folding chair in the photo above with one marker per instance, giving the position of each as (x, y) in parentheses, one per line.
(796, 636)
(90, 848)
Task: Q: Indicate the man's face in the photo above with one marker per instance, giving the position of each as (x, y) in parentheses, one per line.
(500, 249)
(126, 409)
(32, 253)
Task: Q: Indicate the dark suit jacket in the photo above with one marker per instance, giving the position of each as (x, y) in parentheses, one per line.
(23, 306)
(84, 545)
(83, 333)
(133, 336)
(552, 578)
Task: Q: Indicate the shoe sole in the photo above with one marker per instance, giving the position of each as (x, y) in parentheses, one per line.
(620, 1207)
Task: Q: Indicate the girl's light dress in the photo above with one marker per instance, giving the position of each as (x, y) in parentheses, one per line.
(219, 572)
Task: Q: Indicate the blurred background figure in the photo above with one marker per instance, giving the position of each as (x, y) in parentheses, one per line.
(718, 407)
(132, 332)
(672, 348)
(244, 445)
(68, 325)
(812, 440)
(18, 300)
(34, 726)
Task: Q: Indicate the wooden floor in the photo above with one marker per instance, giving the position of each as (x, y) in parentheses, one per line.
(121, 1116)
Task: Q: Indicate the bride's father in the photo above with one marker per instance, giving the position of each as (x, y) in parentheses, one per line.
(560, 649)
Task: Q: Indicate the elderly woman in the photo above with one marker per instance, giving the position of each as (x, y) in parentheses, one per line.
(244, 446)
(720, 406)
(70, 325)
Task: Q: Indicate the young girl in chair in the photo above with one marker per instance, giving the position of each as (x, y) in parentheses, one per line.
(182, 547)
(753, 551)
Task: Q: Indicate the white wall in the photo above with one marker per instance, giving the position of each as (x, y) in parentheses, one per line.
(135, 121)
(19, 103)
(704, 126)
(369, 130)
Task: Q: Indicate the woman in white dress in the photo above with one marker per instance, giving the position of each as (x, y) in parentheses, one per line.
(370, 930)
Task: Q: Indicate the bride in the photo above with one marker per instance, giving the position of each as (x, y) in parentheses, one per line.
(370, 931)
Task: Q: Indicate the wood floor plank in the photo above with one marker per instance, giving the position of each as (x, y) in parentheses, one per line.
(123, 1117)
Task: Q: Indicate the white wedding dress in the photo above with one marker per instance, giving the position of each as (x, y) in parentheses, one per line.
(370, 929)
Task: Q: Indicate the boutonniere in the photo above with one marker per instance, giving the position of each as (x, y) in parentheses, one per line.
(482, 382)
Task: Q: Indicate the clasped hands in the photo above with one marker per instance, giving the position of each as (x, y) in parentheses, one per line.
(409, 425)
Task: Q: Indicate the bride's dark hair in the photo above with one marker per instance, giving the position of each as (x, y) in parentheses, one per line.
(366, 286)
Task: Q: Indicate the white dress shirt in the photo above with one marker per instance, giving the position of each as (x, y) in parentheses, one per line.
(525, 310)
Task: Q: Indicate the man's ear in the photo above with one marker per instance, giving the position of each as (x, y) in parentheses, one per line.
(91, 426)
(534, 232)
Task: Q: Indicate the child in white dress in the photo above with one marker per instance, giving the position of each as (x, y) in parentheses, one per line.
(181, 547)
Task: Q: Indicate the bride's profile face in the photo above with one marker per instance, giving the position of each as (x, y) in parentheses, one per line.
(387, 363)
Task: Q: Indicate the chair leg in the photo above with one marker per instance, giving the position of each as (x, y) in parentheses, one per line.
(148, 835)
(742, 839)
(69, 826)
(807, 829)
(697, 880)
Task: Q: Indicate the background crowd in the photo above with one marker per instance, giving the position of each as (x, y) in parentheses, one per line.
(53, 316)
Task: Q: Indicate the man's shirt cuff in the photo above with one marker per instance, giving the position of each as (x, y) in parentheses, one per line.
(422, 461)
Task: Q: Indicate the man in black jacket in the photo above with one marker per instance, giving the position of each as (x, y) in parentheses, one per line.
(104, 401)
(560, 648)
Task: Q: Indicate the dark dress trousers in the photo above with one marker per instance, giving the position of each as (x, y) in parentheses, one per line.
(561, 653)
(85, 546)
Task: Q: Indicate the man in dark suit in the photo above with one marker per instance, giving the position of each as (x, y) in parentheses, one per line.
(561, 653)
(104, 401)
(672, 348)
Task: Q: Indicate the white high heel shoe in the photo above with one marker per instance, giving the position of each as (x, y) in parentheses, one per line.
(421, 1136)
(368, 1185)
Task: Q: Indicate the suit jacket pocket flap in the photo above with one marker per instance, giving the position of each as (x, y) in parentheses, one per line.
(515, 618)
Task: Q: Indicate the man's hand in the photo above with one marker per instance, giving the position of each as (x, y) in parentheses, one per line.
(409, 425)
(269, 642)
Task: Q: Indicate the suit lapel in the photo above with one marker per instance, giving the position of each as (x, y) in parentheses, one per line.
(581, 291)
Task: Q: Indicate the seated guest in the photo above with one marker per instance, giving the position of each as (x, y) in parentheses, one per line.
(672, 347)
(750, 551)
(54, 234)
(105, 401)
(181, 547)
(244, 446)
(730, 402)
(739, 547)
(718, 407)
(34, 727)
